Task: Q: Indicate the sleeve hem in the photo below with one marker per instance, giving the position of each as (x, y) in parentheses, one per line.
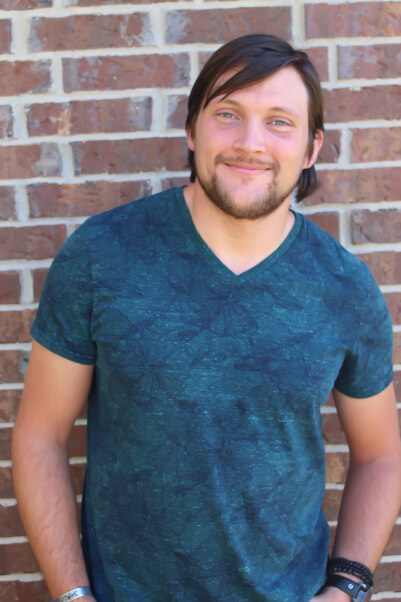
(370, 392)
(62, 351)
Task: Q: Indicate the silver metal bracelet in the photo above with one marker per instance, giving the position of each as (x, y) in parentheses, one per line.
(73, 594)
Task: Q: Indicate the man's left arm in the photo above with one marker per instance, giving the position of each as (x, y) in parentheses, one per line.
(372, 493)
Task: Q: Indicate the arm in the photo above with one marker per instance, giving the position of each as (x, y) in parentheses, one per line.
(372, 493)
(55, 391)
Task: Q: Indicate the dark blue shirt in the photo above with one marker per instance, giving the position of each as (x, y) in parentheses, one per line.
(206, 466)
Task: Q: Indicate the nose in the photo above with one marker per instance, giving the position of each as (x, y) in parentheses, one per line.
(250, 138)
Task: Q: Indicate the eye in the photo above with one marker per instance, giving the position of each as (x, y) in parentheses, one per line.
(280, 123)
(226, 115)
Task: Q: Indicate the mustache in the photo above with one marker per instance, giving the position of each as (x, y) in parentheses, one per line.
(248, 161)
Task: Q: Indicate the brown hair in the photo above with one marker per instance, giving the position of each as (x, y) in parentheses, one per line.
(255, 57)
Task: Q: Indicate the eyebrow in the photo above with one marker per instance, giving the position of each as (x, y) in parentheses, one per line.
(278, 109)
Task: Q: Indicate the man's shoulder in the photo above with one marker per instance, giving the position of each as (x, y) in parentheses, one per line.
(148, 207)
(327, 250)
(342, 274)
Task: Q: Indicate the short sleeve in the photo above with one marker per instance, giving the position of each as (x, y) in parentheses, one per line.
(368, 369)
(63, 320)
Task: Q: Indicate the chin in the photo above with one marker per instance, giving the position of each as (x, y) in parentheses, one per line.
(242, 206)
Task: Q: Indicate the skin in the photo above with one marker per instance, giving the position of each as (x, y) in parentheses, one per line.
(252, 151)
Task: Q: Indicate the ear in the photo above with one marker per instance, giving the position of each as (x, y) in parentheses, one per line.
(317, 145)
(190, 140)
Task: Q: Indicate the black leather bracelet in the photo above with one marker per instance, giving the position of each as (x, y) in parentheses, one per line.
(359, 592)
(357, 569)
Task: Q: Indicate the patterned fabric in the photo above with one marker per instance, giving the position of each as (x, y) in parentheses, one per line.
(206, 466)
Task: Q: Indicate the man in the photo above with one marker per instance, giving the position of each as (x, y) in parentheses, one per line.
(208, 325)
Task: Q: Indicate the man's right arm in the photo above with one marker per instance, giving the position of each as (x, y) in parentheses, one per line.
(55, 392)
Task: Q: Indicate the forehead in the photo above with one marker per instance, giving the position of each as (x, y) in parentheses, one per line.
(285, 87)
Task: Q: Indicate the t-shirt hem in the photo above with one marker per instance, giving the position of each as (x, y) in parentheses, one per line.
(59, 350)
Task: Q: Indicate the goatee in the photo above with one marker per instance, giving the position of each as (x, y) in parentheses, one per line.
(263, 204)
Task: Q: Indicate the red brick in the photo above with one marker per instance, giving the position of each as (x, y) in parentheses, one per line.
(130, 156)
(331, 503)
(13, 365)
(25, 4)
(105, 2)
(330, 150)
(10, 522)
(332, 430)
(78, 473)
(89, 198)
(385, 266)
(376, 61)
(319, 58)
(5, 35)
(6, 486)
(176, 112)
(9, 402)
(122, 72)
(5, 444)
(388, 577)
(357, 186)
(327, 221)
(370, 102)
(174, 182)
(221, 25)
(22, 77)
(353, 19)
(77, 442)
(90, 116)
(29, 161)
(10, 288)
(7, 204)
(397, 348)
(39, 276)
(397, 384)
(89, 31)
(336, 467)
(17, 558)
(376, 226)
(6, 122)
(34, 242)
(393, 301)
(23, 591)
(376, 144)
(15, 325)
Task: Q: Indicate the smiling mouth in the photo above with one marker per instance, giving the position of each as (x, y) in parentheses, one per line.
(251, 170)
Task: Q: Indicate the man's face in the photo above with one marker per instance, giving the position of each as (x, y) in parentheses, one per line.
(251, 146)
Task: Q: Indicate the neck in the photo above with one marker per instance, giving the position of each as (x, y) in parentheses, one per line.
(239, 243)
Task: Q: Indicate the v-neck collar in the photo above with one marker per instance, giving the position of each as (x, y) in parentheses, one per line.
(199, 245)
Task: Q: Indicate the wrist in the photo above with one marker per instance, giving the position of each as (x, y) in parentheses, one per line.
(81, 593)
(336, 595)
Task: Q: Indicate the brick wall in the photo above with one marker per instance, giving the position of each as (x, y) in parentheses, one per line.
(92, 106)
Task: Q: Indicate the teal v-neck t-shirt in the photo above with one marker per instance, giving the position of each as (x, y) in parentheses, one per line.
(206, 466)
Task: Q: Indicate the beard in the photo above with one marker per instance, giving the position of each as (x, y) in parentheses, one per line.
(263, 204)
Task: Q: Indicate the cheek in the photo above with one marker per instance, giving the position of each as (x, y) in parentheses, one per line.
(292, 150)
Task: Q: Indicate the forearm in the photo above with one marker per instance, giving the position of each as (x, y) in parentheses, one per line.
(47, 505)
(369, 508)
(370, 505)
